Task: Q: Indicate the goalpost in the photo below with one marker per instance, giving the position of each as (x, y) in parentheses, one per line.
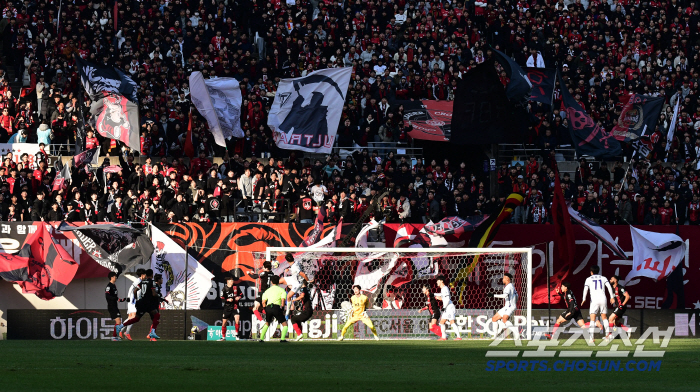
(392, 279)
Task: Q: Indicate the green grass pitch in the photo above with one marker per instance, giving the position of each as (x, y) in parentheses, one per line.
(312, 366)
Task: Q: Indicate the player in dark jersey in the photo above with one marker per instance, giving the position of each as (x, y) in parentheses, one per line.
(431, 305)
(619, 301)
(303, 310)
(149, 303)
(264, 275)
(230, 295)
(112, 296)
(572, 311)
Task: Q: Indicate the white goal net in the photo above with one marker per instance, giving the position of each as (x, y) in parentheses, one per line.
(393, 280)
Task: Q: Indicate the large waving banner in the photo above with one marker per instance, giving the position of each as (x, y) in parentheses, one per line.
(306, 112)
(543, 80)
(117, 118)
(430, 120)
(219, 101)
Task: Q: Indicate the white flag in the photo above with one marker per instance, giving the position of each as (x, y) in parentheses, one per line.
(306, 112)
(168, 259)
(656, 255)
(672, 128)
(219, 101)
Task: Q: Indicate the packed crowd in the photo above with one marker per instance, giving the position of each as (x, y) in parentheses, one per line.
(399, 50)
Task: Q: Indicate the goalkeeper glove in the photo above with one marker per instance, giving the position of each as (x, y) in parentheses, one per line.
(490, 295)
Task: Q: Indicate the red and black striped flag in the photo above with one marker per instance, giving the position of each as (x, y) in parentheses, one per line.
(486, 231)
(42, 267)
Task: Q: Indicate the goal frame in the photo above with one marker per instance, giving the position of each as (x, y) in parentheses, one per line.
(528, 251)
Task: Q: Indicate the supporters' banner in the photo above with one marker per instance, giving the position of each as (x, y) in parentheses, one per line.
(597, 231)
(88, 156)
(112, 245)
(371, 270)
(655, 255)
(100, 80)
(482, 113)
(543, 80)
(219, 101)
(639, 114)
(306, 112)
(645, 293)
(519, 86)
(431, 120)
(42, 267)
(456, 225)
(112, 169)
(564, 244)
(168, 259)
(32, 150)
(588, 137)
(117, 118)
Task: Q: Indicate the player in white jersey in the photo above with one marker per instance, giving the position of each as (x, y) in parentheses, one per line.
(295, 279)
(597, 284)
(448, 309)
(131, 306)
(510, 298)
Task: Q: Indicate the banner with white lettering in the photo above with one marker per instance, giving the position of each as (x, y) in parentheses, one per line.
(306, 111)
(34, 153)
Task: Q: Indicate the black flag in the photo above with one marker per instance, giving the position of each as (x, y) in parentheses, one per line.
(482, 113)
(85, 157)
(588, 137)
(543, 80)
(100, 80)
(638, 116)
(519, 86)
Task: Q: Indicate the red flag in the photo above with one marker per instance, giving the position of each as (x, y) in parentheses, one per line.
(564, 248)
(116, 15)
(189, 148)
(42, 267)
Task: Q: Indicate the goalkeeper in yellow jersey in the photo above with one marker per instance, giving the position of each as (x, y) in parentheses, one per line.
(360, 302)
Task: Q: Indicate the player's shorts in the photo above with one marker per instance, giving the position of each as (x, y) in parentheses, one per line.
(274, 312)
(435, 315)
(259, 300)
(575, 315)
(114, 313)
(301, 317)
(144, 306)
(620, 310)
(131, 308)
(448, 313)
(599, 308)
(506, 311)
(229, 312)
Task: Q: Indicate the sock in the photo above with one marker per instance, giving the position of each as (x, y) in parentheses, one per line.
(297, 329)
(284, 333)
(156, 321)
(624, 327)
(436, 330)
(554, 330)
(223, 330)
(114, 332)
(501, 327)
(258, 315)
(131, 321)
(374, 330)
(606, 327)
(510, 325)
(263, 332)
(455, 328)
(442, 331)
(237, 326)
(128, 329)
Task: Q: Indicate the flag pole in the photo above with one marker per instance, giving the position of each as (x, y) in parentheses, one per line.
(187, 273)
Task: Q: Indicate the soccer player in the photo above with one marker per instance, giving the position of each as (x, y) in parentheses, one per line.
(431, 305)
(264, 275)
(294, 281)
(273, 300)
(360, 302)
(619, 300)
(572, 311)
(303, 310)
(112, 296)
(597, 285)
(230, 295)
(510, 298)
(448, 309)
(149, 303)
(131, 305)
